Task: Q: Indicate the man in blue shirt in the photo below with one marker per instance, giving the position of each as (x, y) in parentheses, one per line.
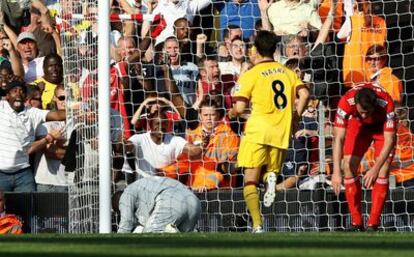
(242, 13)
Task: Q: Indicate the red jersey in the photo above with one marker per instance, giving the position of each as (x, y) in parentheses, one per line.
(223, 88)
(117, 98)
(383, 115)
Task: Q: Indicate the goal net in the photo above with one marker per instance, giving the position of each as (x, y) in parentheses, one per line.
(183, 58)
(80, 49)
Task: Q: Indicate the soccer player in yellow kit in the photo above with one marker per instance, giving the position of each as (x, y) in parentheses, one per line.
(271, 89)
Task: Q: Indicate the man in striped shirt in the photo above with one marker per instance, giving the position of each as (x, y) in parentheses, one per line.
(17, 136)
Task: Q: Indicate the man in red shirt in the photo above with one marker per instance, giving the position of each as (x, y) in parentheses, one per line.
(213, 81)
(365, 114)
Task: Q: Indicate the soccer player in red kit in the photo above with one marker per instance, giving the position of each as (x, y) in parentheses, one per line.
(365, 114)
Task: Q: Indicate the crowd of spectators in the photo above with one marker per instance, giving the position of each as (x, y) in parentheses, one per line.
(174, 70)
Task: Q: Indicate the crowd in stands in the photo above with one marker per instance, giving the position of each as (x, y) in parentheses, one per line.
(174, 70)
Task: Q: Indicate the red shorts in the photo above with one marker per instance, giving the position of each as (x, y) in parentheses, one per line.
(359, 137)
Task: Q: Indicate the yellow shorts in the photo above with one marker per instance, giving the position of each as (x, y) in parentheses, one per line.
(253, 155)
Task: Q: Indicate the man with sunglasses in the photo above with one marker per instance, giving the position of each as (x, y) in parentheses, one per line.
(378, 72)
(48, 176)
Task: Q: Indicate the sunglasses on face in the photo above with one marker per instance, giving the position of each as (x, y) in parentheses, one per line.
(377, 58)
(61, 98)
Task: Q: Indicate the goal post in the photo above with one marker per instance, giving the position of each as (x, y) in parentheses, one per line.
(104, 117)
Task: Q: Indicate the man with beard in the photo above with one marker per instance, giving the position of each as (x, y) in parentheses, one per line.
(17, 134)
(53, 70)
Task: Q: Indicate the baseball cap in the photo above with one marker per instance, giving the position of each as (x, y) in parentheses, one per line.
(15, 83)
(4, 63)
(26, 35)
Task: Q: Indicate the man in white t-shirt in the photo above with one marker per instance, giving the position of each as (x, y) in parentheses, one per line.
(49, 178)
(156, 149)
(17, 136)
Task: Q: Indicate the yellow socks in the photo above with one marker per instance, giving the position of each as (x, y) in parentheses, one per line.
(251, 197)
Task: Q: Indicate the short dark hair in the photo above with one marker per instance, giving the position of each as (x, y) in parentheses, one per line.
(178, 20)
(31, 90)
(237, 38)
(226, 32)
(213, 99)
(16, 83)
(205, 58)
(170, 38)
(51, 56)
(366, 98)
(265, 43)
(207, 102)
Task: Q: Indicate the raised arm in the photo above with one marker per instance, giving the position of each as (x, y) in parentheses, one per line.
(200, 45)
(326, 26)
(137, 114)
(127, 8)
(264, 6)
(200, 95)
(15, 60)
(197, 5)
(44, 13)
(138, 55)
(9, 32)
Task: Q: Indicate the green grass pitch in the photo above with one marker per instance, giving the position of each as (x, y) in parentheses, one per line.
(307, 244)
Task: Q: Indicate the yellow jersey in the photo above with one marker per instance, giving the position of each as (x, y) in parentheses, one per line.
(48, 91)
(271, 88)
